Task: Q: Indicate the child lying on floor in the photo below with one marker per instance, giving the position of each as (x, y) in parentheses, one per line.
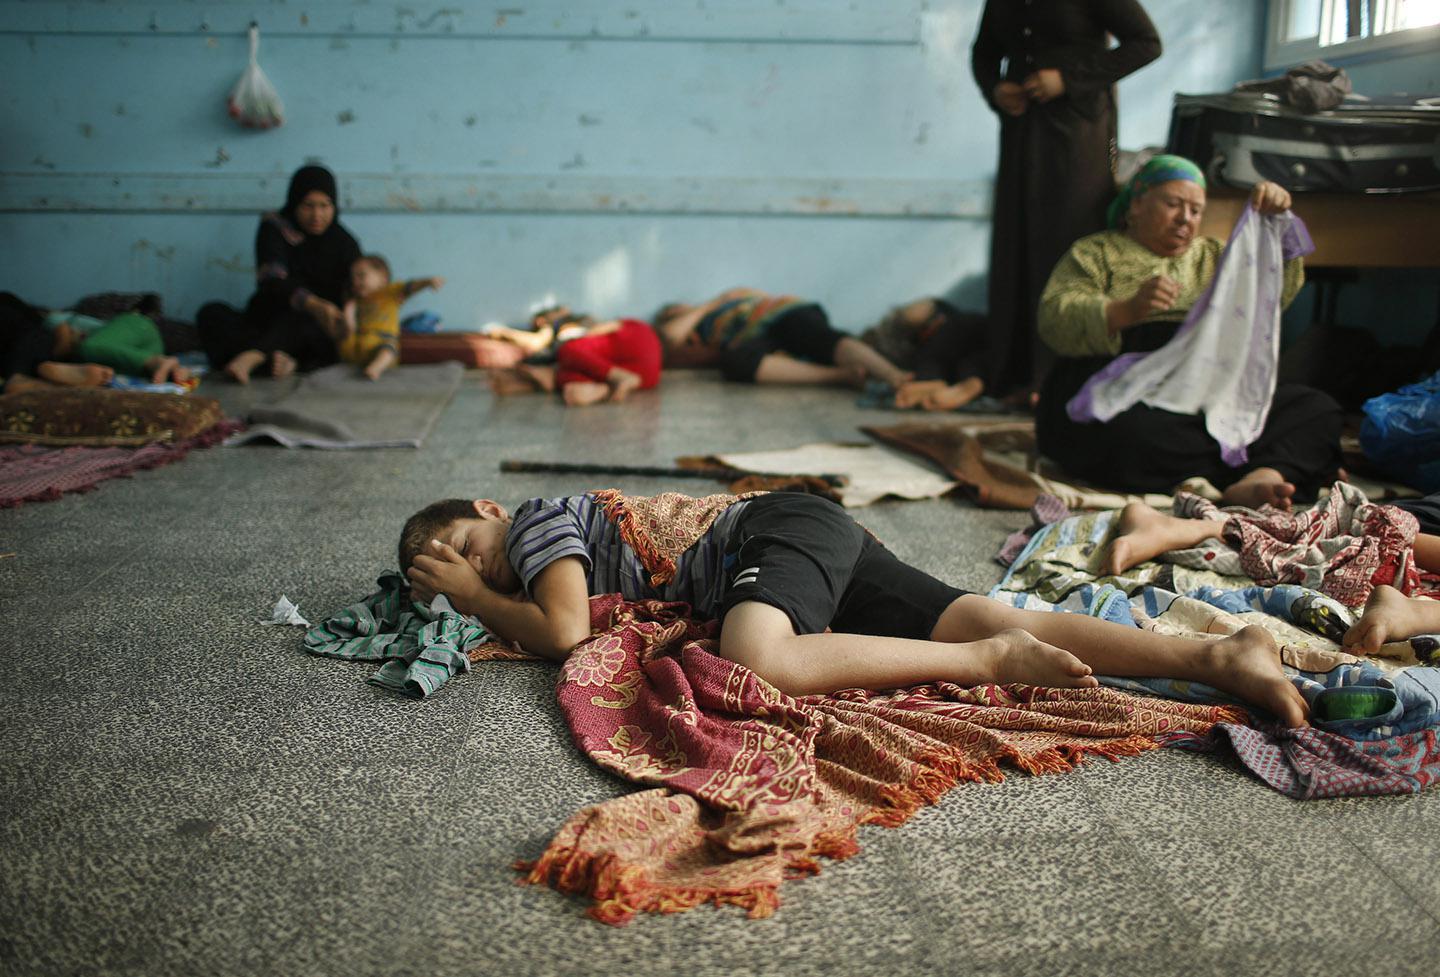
(593, 361)
(1144, 533)
(35, 356)
(777, 571)
(373, 314)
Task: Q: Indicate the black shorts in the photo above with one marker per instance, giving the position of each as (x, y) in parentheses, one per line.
(807, 557)
(804, 333)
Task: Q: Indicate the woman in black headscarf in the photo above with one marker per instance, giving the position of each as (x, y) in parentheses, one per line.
(302, 266)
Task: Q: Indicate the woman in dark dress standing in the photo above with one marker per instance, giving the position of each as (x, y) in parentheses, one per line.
(1046, 68)
(302, 267)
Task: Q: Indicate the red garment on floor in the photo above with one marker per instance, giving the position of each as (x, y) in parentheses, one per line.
(634, 347)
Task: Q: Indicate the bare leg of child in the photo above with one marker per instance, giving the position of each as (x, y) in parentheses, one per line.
(622, 383)
(20, 382)
(75, 374)
(506, 383)
(543, 377)
(1144, 533)
(1260, 486)
(1391, 616)
(383, 359)
(978, 640)
(853, 354)
(244, 364)
(583, 393)
(282, 364)
(779, 368)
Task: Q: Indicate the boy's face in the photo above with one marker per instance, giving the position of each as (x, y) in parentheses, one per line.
(366, 279)
(481, 542)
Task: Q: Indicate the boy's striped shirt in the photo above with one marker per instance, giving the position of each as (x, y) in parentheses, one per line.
(545, 530)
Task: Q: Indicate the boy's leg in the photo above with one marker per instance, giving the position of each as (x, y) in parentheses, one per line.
(761, 637)
(1246, 664)
(851, 353)
(801, 564)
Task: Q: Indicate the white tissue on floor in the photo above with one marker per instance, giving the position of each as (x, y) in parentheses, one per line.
(285, 613)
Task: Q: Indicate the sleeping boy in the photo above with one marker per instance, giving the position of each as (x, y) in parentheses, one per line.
(806, 598)
(373, 314)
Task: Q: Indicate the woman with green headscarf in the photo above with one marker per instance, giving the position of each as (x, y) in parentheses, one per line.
(1128, 289)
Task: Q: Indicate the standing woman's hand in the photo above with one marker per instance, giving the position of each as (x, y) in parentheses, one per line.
(1011, 98)
(1044, 85)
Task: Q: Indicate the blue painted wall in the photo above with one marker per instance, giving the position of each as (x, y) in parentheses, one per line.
(614, 155)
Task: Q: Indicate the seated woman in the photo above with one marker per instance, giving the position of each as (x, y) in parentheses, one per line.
(1127, 290)
(302, 268)
(755, 337)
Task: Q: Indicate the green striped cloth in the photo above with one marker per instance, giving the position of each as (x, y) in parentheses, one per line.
(420, 647)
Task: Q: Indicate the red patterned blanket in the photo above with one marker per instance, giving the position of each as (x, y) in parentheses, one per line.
(750, 787)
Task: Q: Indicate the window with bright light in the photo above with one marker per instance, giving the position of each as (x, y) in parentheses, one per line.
(1304, 29)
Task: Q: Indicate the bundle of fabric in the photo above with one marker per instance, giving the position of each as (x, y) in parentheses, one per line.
(747, 787)
(1374, 720)
(750, 787)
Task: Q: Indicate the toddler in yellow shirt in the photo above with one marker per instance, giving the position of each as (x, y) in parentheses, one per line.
(373, 314)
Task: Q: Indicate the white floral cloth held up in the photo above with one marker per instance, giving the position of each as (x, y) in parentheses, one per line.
(1223, 360)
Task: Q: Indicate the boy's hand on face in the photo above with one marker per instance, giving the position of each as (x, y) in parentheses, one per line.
(441, 570)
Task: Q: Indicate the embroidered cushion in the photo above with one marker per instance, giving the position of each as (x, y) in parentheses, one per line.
(99, 417)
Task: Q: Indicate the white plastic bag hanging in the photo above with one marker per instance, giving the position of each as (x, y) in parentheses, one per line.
(254, 101)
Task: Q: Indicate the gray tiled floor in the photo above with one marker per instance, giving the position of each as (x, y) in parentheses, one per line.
(182, 791)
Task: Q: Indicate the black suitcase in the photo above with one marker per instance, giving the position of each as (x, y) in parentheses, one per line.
(1387, 145)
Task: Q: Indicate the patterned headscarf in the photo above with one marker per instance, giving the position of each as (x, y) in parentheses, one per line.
(1159, 169)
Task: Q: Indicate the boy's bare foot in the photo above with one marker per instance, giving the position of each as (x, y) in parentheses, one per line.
(916, 392)
(583, 393)
(75, 374)
(1247, 665)
(1262, 486)
(1143, 533)
(1390, 616)
(542, 377)
(1019, 656)
(282, 364)
(622, 383)
(955, 395)
(379, 363)
(244, 364)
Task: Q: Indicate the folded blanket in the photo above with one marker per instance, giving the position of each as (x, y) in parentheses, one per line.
(420, 648)
(750, 786)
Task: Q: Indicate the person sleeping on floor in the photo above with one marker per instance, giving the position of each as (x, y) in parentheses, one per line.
(585, 361)
(34, 356)
(805, 597)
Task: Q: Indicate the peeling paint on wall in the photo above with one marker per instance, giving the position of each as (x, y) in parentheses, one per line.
(221, 158)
